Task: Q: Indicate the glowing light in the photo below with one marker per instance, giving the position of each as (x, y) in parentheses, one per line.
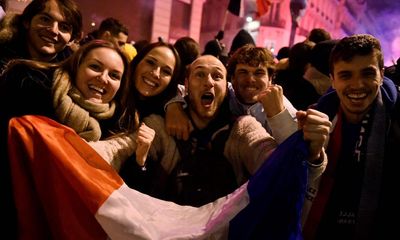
(249, 19)
(93, 24)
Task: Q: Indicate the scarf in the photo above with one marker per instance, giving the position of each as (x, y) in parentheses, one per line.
(370, 147)
(73, 110)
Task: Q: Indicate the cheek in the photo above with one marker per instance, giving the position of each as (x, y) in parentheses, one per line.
(65, 37)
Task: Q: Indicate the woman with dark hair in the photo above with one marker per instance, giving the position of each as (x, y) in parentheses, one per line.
(153, 80)
(41, 32)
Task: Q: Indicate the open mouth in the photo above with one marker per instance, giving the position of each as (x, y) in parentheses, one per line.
(96, 89)
(357, 97)
(207, 99)
(149, 82)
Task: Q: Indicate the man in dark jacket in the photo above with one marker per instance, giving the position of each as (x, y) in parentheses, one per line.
(42, 32)
(356, 195)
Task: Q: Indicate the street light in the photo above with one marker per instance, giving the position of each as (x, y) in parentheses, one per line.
(296, 11)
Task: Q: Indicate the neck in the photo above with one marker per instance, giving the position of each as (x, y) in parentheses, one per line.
(355, 118)
(199, 122)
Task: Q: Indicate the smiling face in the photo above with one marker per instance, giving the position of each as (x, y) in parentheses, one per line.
(249, 81)
(357, 83)
(207, 88)
(48, 33)
(154, 72)
(99, 75)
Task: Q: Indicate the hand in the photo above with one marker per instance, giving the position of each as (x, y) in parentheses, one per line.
(144, 139)
(177, 122)
(316, 127)
(272, 100)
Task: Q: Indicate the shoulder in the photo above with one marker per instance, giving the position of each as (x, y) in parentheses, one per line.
(27, 76)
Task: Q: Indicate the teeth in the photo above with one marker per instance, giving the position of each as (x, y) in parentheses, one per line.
(357, 95)
(148, 82)
(101, 90)
(251, 88)
(49, 40)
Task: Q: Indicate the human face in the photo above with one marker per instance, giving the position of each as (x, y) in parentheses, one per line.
(206, 89)
(99, 75)
(118, 40)
(357, 83)
(154, 72)
(249, 81)
(48, 33)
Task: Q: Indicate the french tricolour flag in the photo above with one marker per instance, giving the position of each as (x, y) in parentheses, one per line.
(64, 190)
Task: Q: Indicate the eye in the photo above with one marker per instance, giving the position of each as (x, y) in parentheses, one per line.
(200, 74)
(150, 62)
(95, 67)
(344, 75)
(166, 72)
(260, 73)
(217, 76)
(65, 27)
(45, 19)
(115, 75)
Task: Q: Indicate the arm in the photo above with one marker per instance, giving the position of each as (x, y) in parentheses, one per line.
(248, 146)
(144, 139)
(280, 113)
(117, 149)
(177, 122)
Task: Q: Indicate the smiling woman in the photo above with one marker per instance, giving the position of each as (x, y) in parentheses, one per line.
(82, 92)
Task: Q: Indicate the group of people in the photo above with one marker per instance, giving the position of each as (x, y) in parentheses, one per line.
(193, 131)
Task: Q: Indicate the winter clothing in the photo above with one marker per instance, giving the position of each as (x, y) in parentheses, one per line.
(356, 197)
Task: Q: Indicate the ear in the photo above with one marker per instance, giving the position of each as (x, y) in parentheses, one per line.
(332, 81)
(382, 72)
(106, 35)
(26, 24)
(186, 86)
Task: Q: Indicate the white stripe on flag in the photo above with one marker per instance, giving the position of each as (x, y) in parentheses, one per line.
(129, 214)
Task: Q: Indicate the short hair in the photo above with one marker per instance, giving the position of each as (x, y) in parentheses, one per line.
(356, 45)
(68, 8)
(114, 26)
(253, 56)
(318, 35)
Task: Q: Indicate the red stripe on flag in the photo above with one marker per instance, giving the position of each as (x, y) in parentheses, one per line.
(59, 181)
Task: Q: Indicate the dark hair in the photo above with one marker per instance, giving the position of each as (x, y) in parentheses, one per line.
(356, 45)
(131, 101)
(68, 8)
(188, 50)
(283, 53)
(318, 35)
(299, 56)
(114, 26)
(253, 56)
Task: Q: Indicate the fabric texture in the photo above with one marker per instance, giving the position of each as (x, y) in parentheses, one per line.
(74, 194)
(74, 111)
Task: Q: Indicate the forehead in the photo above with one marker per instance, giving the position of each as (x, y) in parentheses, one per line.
(357, 62)
(208, 62)
(53, 9)
(250, 67)
(106, 56)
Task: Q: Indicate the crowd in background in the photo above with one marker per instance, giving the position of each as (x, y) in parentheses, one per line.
(192, 125)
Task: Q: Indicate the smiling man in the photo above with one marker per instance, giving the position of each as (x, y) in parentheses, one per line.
(41, 32)
(356, 197)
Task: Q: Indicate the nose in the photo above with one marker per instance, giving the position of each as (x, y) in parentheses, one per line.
(209, 81)
(53, 27)
(103, 77)
(156, 71)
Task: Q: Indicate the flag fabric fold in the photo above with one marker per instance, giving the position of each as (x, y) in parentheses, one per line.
(64, 190)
